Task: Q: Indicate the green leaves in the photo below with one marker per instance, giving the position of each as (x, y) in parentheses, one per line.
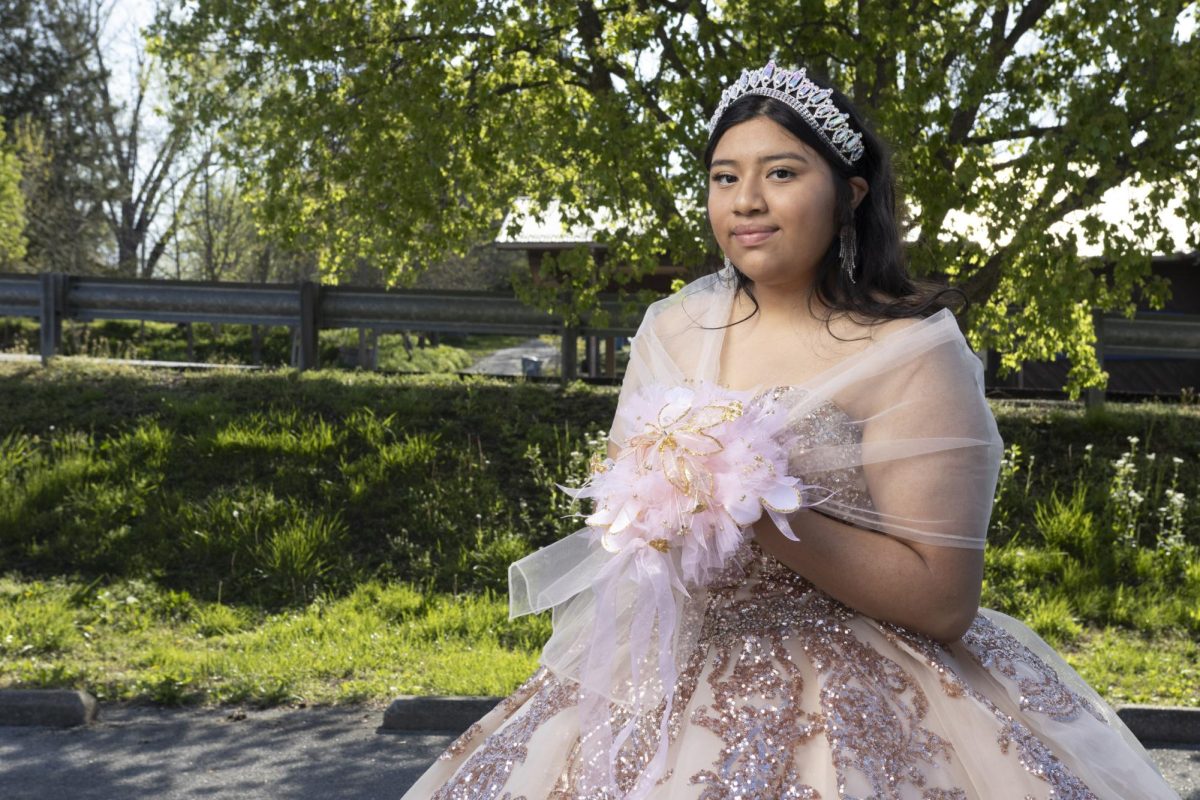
(402, 132)
(12, 205)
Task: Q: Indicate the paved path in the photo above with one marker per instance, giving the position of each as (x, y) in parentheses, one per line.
(305, 754)
(131, 362)
(508, 360)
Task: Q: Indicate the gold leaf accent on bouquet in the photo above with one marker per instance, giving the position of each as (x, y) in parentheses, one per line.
(661, 545)
(678, 437)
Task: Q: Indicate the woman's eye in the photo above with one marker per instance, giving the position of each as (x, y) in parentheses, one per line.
(782, 172)
(722, 178)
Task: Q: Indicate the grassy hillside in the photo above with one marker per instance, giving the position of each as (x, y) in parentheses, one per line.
(209, 535)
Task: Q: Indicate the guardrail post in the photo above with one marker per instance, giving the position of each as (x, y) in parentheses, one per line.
(1094, 397)
(309, 295)
(593, 355)
(52, 307)
(569, 354)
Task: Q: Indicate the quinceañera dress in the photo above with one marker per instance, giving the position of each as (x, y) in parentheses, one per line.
(712, 670)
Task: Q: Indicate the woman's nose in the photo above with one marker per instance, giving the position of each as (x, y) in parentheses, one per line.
(748, 198)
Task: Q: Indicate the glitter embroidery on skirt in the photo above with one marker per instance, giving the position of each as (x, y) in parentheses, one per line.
(791, 694)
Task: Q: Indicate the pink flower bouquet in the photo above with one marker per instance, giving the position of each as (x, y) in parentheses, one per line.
(703, 466)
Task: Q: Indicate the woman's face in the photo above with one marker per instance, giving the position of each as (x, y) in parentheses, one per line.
(771, 203)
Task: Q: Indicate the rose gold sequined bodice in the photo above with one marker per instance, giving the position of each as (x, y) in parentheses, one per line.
(825, 425)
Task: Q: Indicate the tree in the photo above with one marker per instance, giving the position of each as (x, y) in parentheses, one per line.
(217, 238)
(48, 98)
(399, 132)
(137, 199)
(12, 206)
(217, 228)
(93, 203)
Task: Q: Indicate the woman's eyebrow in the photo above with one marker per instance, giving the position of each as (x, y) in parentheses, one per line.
(784, 157)
(773, 157)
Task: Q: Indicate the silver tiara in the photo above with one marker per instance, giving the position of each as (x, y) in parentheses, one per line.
(809, 101)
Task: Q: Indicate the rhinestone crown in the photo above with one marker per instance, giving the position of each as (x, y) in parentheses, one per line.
(801, 94)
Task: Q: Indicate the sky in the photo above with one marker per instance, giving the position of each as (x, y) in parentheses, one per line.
(128, 16)
(126, 20)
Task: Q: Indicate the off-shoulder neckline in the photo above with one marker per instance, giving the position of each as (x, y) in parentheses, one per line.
(908, 330)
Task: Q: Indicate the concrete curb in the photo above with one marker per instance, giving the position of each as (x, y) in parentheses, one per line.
(455, 713)
(1161, 724)
(1167, 724)
(436, 712)
(52, 708)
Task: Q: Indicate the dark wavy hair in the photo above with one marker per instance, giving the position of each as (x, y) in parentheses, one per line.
(883, 287)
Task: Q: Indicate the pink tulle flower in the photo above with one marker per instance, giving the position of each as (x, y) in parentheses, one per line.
(702, 466)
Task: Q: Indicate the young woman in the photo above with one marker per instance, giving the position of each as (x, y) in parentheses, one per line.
(777, 593)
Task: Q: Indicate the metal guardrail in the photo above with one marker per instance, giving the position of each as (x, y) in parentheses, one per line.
(1153, 334)
(306, 306)
(1150, 334)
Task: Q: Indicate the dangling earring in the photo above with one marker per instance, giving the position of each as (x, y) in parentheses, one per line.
(728, 263)
(847, 250)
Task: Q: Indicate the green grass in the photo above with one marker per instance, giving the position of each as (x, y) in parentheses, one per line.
(262, 522)
(275, 487)
(133, 640)
(1126, 667)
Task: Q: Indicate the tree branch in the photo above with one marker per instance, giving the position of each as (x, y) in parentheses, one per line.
(1030, 132)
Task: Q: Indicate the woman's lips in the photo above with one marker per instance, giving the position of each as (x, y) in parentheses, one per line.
(753, 236)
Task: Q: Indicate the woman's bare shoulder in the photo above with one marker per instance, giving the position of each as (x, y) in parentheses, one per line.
(869, 329)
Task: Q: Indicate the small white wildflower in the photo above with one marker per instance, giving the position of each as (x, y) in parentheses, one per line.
(1134, 440)
(1176, 460)
(1087, 447)
(1150, 456)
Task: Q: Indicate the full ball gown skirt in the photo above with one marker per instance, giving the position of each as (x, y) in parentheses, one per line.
(791, 694)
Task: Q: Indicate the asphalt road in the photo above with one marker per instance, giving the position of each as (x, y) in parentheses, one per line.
(278, 754)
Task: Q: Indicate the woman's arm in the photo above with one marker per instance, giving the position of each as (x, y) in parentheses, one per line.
(929, 588)
(930, 456)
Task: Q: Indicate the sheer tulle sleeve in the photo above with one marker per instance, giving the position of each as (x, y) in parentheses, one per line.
(921, 434)
(675, 338)
(899, 433)
(912, 450)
